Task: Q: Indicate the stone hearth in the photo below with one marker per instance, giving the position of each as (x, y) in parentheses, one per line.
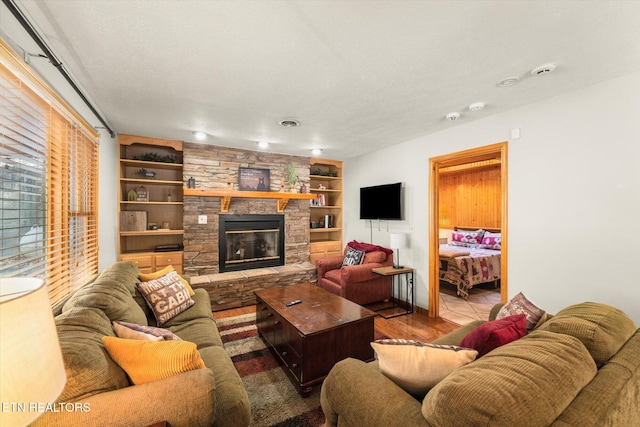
(235, 289)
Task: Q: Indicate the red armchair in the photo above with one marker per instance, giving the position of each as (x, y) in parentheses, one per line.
(357, 283)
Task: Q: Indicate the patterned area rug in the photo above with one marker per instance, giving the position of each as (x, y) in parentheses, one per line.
(274, 399)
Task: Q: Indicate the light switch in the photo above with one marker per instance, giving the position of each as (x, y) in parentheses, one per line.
(202, 219)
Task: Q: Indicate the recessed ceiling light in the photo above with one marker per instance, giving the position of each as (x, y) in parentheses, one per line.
(263, 144)
(199, 135)
(476, 106)
(453, 116)
(543, 69)
(509, 81)
(316, 151)
(289, 123)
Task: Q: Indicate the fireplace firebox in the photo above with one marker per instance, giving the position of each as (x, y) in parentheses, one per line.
(250, 241)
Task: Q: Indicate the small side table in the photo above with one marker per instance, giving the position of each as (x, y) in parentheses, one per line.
(397, 273)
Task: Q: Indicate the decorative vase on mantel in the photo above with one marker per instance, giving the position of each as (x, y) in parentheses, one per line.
(292, 178)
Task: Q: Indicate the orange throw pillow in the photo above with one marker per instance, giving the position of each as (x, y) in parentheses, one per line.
(146, 361)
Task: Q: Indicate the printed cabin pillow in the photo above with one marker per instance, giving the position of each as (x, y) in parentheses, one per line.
(166, 296)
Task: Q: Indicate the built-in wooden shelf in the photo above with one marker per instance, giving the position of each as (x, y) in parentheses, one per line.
(226, 196)
(158, 232)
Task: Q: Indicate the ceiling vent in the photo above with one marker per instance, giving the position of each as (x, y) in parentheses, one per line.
(509, 81)
(543, 69)
(289, 123)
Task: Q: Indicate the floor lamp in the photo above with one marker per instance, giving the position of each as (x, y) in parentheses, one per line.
(31, 367)
(398, 241)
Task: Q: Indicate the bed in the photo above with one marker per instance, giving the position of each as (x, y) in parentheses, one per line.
(472, 257)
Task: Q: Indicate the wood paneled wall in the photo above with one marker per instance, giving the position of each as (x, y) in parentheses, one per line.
(470, 195)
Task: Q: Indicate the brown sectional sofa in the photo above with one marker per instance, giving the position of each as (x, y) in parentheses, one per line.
(579, 368)
(214, 395)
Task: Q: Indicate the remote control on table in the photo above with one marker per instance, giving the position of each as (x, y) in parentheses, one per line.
(289, 304)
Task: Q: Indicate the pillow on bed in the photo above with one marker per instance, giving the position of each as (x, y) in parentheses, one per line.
(467, 238)
(491, 240)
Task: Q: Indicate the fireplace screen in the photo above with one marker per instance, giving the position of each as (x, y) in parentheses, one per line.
(251, 245)
(251, 241)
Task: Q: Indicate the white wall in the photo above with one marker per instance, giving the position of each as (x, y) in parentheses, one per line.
(107, 207)
(574, 195)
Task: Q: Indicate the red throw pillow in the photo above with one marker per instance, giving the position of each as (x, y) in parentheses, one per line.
(368, 247)
(491, 335)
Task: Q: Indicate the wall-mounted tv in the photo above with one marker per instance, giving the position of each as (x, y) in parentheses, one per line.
(381, 202)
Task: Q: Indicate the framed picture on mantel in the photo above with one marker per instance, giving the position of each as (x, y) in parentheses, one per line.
(252, 179)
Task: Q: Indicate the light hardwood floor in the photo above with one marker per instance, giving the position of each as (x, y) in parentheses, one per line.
(464, 310)
(412, 326)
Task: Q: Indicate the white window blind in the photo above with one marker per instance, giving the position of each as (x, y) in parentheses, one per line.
(48, 183)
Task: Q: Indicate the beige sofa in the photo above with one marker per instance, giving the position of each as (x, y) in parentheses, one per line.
(214, 395)
(579, 368)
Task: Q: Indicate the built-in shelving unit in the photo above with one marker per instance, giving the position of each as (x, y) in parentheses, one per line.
(150, 195)
(326, 186)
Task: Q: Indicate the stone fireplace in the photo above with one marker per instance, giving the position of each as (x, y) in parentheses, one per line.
(250, 241)
(216, 168)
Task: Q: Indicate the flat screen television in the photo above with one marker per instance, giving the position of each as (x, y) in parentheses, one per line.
(381, 202)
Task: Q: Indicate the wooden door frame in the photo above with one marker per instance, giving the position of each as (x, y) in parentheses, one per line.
(466, 156)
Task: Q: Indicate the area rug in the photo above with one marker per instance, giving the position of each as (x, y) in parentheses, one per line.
(274, 399)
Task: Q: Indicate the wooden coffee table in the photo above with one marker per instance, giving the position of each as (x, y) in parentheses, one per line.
(310, 337)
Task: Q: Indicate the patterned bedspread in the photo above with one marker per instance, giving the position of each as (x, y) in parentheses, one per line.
(480, 266)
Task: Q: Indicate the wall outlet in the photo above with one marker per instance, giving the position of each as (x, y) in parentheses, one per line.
(202, 219)
(515, 133)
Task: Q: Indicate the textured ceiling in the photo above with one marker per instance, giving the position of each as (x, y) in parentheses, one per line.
(357, 75)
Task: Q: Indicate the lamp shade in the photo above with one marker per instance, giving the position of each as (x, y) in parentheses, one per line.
(32, 372)
(398, 241)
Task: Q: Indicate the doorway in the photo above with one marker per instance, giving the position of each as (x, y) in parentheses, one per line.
(494, 151)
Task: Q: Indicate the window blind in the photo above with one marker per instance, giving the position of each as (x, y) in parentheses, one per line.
(48, 183)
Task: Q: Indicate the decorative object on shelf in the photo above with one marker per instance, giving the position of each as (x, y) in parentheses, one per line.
(154, 157)
(228, 185)
(169, 197)
(132, 196)
(292, 178)
(252, 179)
(166, 225)
(142, 195)
(303, 188)
(398, 241)
(32, 368)
(191, 182)
(147, 174)
(322, 172)
(153, 226)
(133, 221)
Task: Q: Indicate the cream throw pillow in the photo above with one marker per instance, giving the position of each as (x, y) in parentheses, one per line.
(416, 367)
(146, 361)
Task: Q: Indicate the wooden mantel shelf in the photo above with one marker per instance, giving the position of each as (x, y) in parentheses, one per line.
(226, 196)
